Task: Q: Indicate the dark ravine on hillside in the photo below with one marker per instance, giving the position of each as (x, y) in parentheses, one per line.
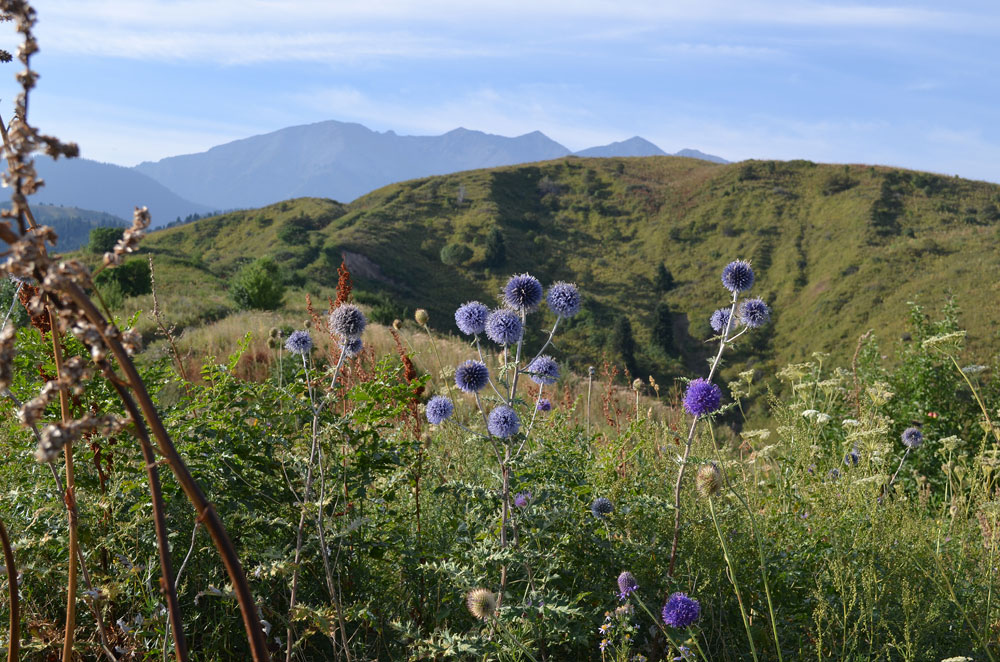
(838, 250)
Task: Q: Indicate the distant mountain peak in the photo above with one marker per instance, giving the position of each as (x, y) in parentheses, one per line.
(634, 146)
(696, 154)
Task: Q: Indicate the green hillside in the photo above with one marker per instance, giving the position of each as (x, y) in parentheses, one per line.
(72, 224)
(838, 249)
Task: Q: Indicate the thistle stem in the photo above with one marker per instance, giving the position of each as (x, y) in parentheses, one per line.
(732, 578)
(14, 647)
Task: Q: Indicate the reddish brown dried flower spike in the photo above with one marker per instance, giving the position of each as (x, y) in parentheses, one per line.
(343, 285)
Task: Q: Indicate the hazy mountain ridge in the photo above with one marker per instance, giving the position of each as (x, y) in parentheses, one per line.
(72, 224)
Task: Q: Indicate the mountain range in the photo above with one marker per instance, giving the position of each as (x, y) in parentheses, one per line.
(337, 160)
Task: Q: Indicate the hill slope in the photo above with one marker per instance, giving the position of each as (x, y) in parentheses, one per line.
(72, 224)
(837, 249)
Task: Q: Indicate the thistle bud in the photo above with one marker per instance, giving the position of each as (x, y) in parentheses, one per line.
(709, 480)
(421, 316)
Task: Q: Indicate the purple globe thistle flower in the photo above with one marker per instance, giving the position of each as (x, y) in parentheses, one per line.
(347, 321)
(522, 292)
(439, 409)
(833, 474)
(564, 299)
(522, 499)
(852, 458)
(720, 319)
(912, 438)
(754, 313)
(737, 276)
(503, 422)
(544, 404)
(626, 585)
(472, 376)
(504, 327)
(300, 342)
(702, 397)
(353, 347)
(602, 507)
(471, 318)
(543, 370)
(686, 654)
(681, 611)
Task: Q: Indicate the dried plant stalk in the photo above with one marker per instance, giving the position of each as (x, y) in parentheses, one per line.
(14, 647)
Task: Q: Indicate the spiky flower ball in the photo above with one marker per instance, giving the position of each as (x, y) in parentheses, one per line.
(681, 611)
(708, 480)
(300, 342)
(439, 409)
(544, 404)
(912, 438)
(626, 585)
(503, 326)
(522, 292)
(353, 347)
(481, 603)
(421, 316)
(522, 499)
(852, 458)
(737, 276)
(564, 299)
(720, 319)
(471, 318)
(754, 313)
(503, 422)
(543, 370)
(347, 321)
(472, 376)
(702, 397)
(602, 507)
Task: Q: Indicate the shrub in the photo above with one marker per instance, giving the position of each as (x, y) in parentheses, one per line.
(131, 279)
(455, 253)
(103, 240)
(258, 285)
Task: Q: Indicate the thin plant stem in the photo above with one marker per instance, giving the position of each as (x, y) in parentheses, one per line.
(659, 624)
(437, 357)
(732, 577)
(590, 384)
(13, 598)
(975, 393)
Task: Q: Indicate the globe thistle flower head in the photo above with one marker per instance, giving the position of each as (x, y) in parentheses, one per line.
(544, 404)
(737, 276)
(522, 292)
(504, 327)
(702, 397)
(564, 299)
(852, 458)
(708, 480)
(421, 316)
(481, 603)
(754, 313)
(471, 318)
(300, 342)
(522, 499)
(912, 438)
(347, 321)
(353, 347)
(602, 507)
(626, 585)
(720, 319)
(544, 370)
(439, 409)
(681, 611)
(275, 332)
(503, 422)
(472, 376)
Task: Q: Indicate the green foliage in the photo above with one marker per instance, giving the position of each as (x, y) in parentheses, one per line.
(623, 343)
(887, 209)
(455, 253)
(663, 327)
(664, 280)
(103, 239)
(129, 279)
(258, 285)
(496, 248)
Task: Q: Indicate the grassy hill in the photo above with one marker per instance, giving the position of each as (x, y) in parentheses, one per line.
(837, 249)
(72, 224)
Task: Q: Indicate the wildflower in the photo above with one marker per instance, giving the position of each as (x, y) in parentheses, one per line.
(708, 480)
(602, 507)
(544, 404)
(754, 313)
(720, 319)
(481, 603)
(850, 423)
(543, 370)
(681, 611)
(810, 413)
(822, 418)
(439, 409)
(833, 474)
(471, 318)
(522, 499)
(300, 342)
(275, 332)
(564, 299)
(737, 276)
(685, 654)
(637, 384)
(604, 644)
(347, 321)
(523, 292)
(503, 422)
(504, 327)
(626, 585)
(912, 438)
(421, 316)
(472, 376)
(702, 397)
(852, 457)
(353, 347)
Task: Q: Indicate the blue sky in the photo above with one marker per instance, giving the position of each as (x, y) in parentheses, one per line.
(912, 84)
